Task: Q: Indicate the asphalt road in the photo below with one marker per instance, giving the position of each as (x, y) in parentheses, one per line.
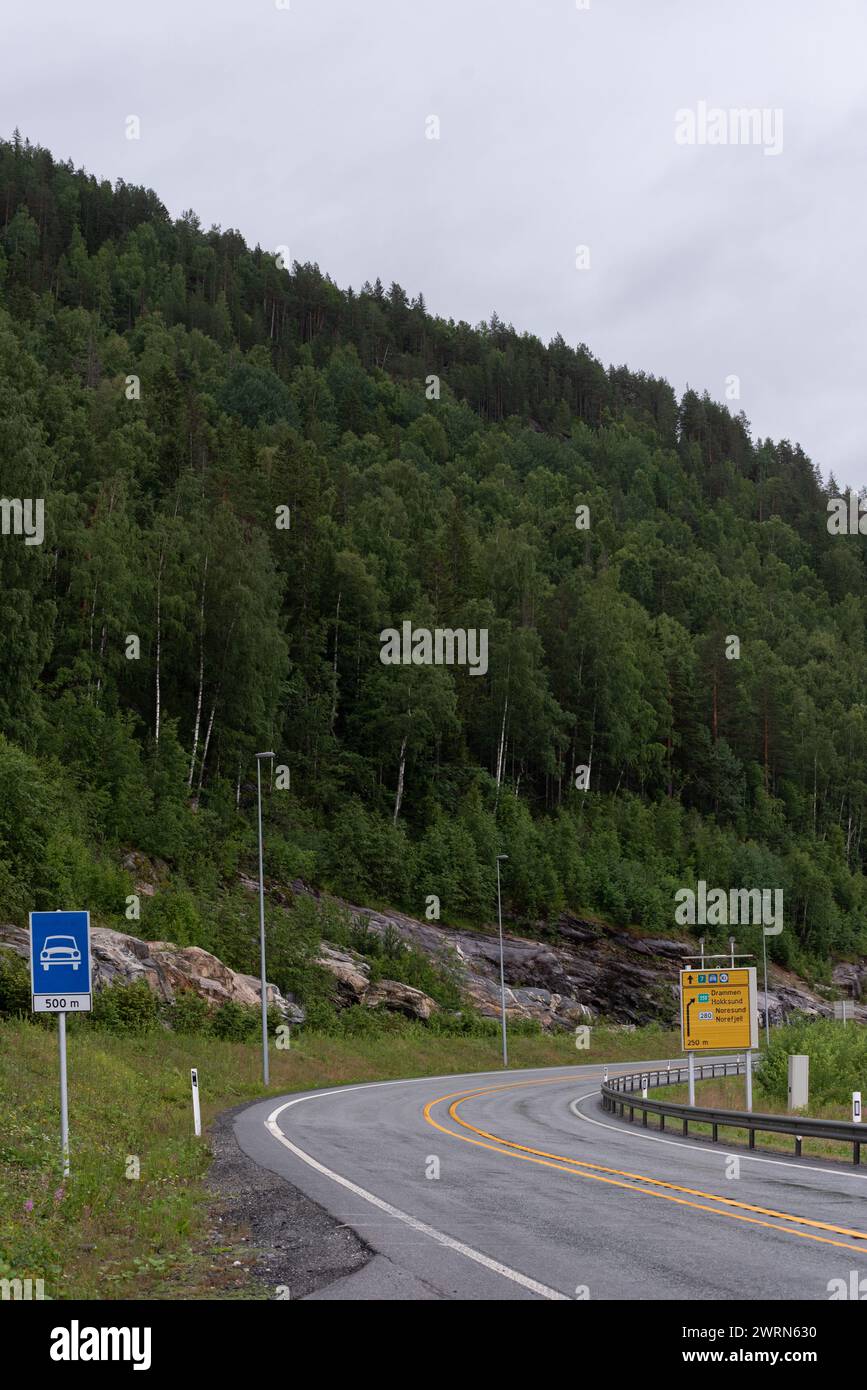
(516, 1185)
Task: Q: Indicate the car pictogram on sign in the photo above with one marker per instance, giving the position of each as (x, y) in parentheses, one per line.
(60, 950)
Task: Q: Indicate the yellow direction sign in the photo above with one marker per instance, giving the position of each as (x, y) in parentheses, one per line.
(718, 1008)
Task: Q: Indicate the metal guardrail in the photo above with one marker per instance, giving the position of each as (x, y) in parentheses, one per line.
(618, 1094)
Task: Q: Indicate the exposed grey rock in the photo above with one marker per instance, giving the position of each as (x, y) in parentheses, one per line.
(850, 980)
(581, 971)
(167, 970)
(785, 1000)
(352, 974)
(350, 970)
(405, 999)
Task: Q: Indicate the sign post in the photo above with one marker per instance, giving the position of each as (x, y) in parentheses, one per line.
(60, 983)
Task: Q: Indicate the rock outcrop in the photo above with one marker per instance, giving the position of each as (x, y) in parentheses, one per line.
(572, 971)
(576, 970)
(352, 975)
(166, 969)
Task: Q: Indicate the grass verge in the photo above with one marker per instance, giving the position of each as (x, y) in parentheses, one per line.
(728, 1093)
(133, 1219)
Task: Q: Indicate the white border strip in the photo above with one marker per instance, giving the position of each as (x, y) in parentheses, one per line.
(697, 1147)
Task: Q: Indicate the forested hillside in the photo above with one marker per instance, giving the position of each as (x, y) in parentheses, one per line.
(170, 392)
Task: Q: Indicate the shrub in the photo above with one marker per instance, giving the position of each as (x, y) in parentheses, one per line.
(838, 1060)
(322, 1016)
(287, 861)
(14, 985)
(173, 915)
(189, 1013)
(236, 1022)
(126, 1008)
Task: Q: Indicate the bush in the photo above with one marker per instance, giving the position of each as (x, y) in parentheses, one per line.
(14, 985)
(321, 1016)
(838, 1060)
(173, 915)
(438, 978)
(359, 1022)
(236, 1022)
(287, 861)
(189, 1013)
(126, 1008)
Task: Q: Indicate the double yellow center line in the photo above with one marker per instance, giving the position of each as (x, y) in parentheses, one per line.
(639, 1183)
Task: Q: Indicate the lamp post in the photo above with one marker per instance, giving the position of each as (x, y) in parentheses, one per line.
(767, 1005)
(265, 1072)
(502, 973)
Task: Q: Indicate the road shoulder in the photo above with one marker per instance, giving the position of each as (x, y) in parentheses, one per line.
(295, 1245)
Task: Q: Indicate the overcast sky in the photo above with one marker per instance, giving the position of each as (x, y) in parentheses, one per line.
(307, 126)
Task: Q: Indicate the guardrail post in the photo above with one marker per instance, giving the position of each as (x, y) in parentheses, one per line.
(714, 1131)
(644, 1123)
(856, 1153)
(797, 1146)
(752, 1137)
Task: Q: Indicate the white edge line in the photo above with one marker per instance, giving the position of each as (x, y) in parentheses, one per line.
(697, 1148)
(448, 1241)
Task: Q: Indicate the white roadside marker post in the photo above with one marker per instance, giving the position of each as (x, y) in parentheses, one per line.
(197, 1114)
(856, 1107)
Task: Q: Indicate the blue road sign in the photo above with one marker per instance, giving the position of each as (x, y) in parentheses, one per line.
(60, 962)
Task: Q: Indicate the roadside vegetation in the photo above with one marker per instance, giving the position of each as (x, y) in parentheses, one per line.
(838, 1066)
(108, 1234)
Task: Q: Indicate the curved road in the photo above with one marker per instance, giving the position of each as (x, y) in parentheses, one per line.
(517, 1185)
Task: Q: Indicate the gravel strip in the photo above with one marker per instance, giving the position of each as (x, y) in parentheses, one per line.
(295, 1247)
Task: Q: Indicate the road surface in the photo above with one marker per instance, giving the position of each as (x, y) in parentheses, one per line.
(516, 1185)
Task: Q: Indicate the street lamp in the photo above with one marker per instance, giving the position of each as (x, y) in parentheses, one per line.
(502, 974)
(265, 1075)
(767, 1005)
